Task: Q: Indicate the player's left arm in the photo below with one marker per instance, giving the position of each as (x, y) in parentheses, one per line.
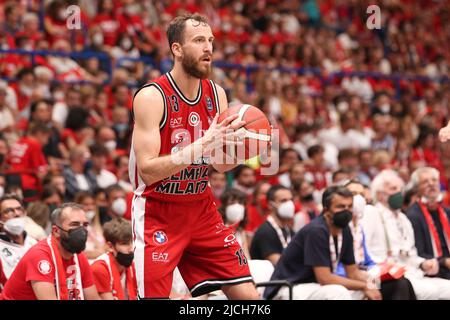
(223, 105)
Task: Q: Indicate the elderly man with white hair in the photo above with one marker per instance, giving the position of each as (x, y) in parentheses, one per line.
(430, 220)
(390, 237)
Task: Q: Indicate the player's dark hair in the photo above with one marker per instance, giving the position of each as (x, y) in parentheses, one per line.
(175, 31)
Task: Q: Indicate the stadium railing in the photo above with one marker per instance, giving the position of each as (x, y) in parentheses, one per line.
(165, 65)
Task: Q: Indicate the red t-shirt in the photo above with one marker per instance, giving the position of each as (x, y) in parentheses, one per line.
(101, 276)
(37, 265)
(26, 158)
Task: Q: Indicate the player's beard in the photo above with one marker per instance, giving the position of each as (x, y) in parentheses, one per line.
(193, 67)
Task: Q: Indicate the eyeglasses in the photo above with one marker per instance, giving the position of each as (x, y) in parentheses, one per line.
(20, 210)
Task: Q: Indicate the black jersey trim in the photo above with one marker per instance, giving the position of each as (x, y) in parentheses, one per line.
(181, 95)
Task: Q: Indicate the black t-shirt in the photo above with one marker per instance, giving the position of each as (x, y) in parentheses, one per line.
(309, 248)
(440, 230)
(266, 241)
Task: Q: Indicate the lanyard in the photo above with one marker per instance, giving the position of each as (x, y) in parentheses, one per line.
(334, 254)
(284, 241)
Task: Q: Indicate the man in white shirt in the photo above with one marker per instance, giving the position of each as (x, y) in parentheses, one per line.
(14, 240)
(390, 237)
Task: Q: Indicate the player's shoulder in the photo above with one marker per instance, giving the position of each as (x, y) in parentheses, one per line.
(151, 91)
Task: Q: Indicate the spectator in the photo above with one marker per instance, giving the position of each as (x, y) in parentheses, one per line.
(345, 135)
(121, 127)
(362, 255)
(296, 176)
(288, 158)
(3, 154)
(104, 177)
(27, 160)
(257, 208)
(105, 136)
(116, 203)
(234, 214)
(95, 243)
(382, 139)
(6, 113)
(111, 267)
(309, 208)
(70, 99)
(430, 220)
(218, 183)
(77, 129)
(390, 237)
(39, 212)
(316, 170)
(244, 179)
(14, 240)
(53, 260)
(274, 235)
(41, 111)
(121, 164)
(76, 177)
(339, 176)
(311, 258)
(56, 180)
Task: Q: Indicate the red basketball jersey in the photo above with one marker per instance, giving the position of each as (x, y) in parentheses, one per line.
(183, 122)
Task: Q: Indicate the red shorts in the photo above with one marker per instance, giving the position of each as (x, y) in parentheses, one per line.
(190, 235)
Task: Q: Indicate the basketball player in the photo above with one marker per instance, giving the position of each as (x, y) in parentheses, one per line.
(175, 220)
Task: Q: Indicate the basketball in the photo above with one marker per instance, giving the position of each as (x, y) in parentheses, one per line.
(257, 130)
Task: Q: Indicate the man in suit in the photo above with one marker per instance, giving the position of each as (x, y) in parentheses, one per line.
(430, 220)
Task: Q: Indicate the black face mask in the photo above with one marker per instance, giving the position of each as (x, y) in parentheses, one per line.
(74, 240)
(342, 218)
(308, 197)
(125, 259)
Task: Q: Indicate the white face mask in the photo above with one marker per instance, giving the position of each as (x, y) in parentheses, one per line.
(90, 215)
(286, 210)
(15, 226)
(385, 107)
(234, 213)
(359, 202)
(2, 191)
(111, 145)
(119, 206)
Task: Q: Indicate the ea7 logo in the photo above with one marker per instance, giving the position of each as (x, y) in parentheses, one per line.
(160, 256)
(175, 122)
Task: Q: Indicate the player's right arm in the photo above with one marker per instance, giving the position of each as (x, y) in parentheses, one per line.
(148, 110)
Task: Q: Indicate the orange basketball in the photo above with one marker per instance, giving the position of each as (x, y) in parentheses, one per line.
(257, 130)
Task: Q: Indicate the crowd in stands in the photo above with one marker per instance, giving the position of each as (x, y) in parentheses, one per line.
(351, 104)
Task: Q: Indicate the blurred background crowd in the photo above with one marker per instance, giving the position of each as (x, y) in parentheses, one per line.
(349, 101)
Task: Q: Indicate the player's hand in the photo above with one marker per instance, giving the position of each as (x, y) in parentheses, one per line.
(372, 294)
(444, 133)
(223, 133)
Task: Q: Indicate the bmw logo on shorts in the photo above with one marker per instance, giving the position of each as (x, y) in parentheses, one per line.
(159, 237)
